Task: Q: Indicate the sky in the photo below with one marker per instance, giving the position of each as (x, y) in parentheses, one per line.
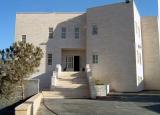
(9, 8)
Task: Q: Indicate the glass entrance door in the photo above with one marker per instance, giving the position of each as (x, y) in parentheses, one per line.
(69, 63)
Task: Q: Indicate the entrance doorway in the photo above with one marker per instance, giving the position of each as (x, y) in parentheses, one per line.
(76, 63)
(72, 63)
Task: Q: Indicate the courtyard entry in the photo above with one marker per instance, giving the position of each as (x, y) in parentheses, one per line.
(72, 63)
(76, 63)
(73, 60)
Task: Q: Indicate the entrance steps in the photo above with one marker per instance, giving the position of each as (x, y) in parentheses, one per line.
(69, 85)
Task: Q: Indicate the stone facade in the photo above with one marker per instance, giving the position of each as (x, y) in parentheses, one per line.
(151, 53)
(117, 44)
(36, 28)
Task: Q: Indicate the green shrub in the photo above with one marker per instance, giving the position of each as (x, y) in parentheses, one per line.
(99, 82)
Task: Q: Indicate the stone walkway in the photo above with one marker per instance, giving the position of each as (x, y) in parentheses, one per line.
(114, 105)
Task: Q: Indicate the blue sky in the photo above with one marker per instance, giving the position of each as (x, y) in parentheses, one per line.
(8, 9)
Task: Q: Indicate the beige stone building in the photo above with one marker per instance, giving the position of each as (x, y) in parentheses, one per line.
(120, 47)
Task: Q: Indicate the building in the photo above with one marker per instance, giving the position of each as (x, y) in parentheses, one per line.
(151, 51)
(121, 47)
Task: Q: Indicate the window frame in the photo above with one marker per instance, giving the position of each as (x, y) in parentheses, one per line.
(95, 58)
(77, 32)
(94, 29)
(49, 59)
(50, 32)
(63, 32)
(69, 62)
(24, 38)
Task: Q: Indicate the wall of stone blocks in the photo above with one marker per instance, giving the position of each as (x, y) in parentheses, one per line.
(115, 45)
(151, 53)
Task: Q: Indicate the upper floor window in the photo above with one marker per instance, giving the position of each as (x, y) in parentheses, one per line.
(94, 30)
(77, 30)
(24, 38)
(95, 59)
(63, 33)
(49, 59)
(50, 33)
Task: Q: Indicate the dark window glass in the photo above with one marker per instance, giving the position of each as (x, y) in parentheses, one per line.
(49, 59)
(24, 38)
(63, 33)
(50, 33)
(95, 59)
(77, 32)
(94, 30)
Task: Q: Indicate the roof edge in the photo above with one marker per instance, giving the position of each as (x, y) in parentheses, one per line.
(50, 12)
(112, 4)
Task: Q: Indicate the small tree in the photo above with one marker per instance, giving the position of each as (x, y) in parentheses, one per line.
(19, 62)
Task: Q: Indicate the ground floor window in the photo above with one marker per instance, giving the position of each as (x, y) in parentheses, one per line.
(24, 38)
(95, 59)
(49, 59)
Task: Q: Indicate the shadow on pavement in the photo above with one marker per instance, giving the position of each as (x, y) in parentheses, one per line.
(10, 110)
(155, 108)
(132, 98)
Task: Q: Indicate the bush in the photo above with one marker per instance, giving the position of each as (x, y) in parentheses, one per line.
(99, 82)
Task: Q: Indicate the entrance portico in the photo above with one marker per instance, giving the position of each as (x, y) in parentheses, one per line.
(73, 59)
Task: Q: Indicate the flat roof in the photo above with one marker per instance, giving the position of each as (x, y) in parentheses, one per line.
(50, 12)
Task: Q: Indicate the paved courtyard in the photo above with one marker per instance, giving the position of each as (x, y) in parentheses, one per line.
(112, 105)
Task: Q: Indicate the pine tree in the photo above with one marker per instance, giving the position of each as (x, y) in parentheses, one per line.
(19, 62)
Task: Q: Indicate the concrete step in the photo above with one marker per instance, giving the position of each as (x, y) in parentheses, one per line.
(67, 93)
(72, 82)
(72, 74)
(70, 85)
(69, 73)
(57, 94)
(66, 97)
(54, 96)
(72, 78)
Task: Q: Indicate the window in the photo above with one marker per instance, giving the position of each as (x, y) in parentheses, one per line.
(94, 30)
(76, 32)
(95, 59)
(63, 33)
(50, 33)
(49, 59)
(24, 38)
